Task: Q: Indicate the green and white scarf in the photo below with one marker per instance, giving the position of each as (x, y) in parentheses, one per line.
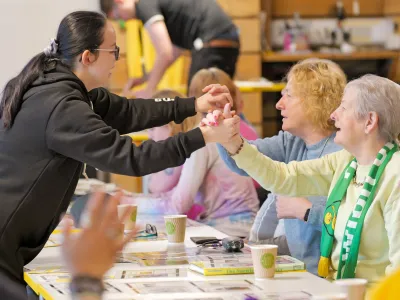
(352, 234)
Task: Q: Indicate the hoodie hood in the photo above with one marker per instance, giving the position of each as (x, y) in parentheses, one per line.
(57, 74)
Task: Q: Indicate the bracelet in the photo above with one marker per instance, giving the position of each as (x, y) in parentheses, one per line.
(238, 150)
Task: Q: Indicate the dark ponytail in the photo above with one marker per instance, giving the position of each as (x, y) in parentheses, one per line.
(78, 31)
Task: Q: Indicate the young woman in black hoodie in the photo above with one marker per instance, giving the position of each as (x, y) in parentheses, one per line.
(55, 118)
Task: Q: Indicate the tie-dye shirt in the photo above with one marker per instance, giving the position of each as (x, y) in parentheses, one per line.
(206, 190)
(164, 181)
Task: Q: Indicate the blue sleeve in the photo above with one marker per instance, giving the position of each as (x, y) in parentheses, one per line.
(231, 164)
(273, 147)
(317, 210)
(266, 221)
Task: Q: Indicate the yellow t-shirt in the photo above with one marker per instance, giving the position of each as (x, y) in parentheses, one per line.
(379, 252)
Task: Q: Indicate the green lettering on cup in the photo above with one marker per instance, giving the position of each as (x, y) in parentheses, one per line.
(170, 227)
(267, 260)
(133, 215)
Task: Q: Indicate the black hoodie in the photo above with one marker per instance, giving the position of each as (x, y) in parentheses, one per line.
(54, 133)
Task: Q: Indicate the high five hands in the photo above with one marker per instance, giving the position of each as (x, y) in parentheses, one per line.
(222, 127)
(215, 97)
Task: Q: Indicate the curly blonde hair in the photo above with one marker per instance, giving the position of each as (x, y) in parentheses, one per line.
(320, 84)
(188, 123)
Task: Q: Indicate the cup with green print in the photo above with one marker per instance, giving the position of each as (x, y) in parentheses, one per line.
(130, 222)
(175, 226)
(264, 258)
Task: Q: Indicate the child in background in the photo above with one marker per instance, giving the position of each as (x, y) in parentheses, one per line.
(246, 130)
(203, 188)
(166, 180)
(215, 75)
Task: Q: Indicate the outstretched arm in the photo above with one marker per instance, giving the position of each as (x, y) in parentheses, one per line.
(134, 115)
(306, 178)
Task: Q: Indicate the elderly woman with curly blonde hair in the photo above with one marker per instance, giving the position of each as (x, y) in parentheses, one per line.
(362, 182)
(315, 88)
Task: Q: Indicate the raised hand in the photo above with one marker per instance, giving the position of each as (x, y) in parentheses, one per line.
(228, 113)
(213, 117)
(229, 133)
(92, 251)
(218, 129)
(215, 97)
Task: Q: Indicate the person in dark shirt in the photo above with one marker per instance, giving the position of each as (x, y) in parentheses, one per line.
(55, 117)
(200, 26)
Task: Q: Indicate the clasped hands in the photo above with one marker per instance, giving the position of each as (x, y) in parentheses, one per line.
(222, 126)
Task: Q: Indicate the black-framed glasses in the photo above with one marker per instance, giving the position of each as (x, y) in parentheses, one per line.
(116, 51)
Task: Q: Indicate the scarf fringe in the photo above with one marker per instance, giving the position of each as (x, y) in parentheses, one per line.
(323, 266)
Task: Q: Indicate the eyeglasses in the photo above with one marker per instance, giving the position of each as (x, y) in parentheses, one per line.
(116, 51)
(150, 231)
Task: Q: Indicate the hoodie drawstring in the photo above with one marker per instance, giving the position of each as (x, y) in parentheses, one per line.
(84, 165)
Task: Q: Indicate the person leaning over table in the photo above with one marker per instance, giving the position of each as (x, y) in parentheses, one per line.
(55, 117)
(314, 90)
(201, 27)
(362, 216)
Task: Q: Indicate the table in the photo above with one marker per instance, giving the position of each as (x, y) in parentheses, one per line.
(291, 282)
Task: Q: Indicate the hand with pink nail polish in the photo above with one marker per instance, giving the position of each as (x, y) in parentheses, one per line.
(218, 128)
(225, 126)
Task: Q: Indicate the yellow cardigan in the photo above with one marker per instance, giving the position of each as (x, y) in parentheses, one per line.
(379, 252)
(389, 289)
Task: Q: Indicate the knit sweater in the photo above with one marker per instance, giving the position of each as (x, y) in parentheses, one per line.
(379, 252)
(303, 238)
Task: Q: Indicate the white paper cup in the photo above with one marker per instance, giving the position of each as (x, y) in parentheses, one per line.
(354, 288)
(175, 226)
(264, 259)
(130, 222)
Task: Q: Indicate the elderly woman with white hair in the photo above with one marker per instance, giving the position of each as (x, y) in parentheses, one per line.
(362, 215)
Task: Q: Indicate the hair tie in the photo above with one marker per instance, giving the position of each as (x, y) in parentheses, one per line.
(51, 50)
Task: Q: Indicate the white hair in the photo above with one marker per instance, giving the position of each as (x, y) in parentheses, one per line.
(380, 95)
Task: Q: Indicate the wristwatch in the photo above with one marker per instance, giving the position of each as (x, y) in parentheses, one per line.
(86, 285)
(306, 214)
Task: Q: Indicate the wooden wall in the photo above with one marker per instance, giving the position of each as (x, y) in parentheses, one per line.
(312, 8)
(246, 16)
